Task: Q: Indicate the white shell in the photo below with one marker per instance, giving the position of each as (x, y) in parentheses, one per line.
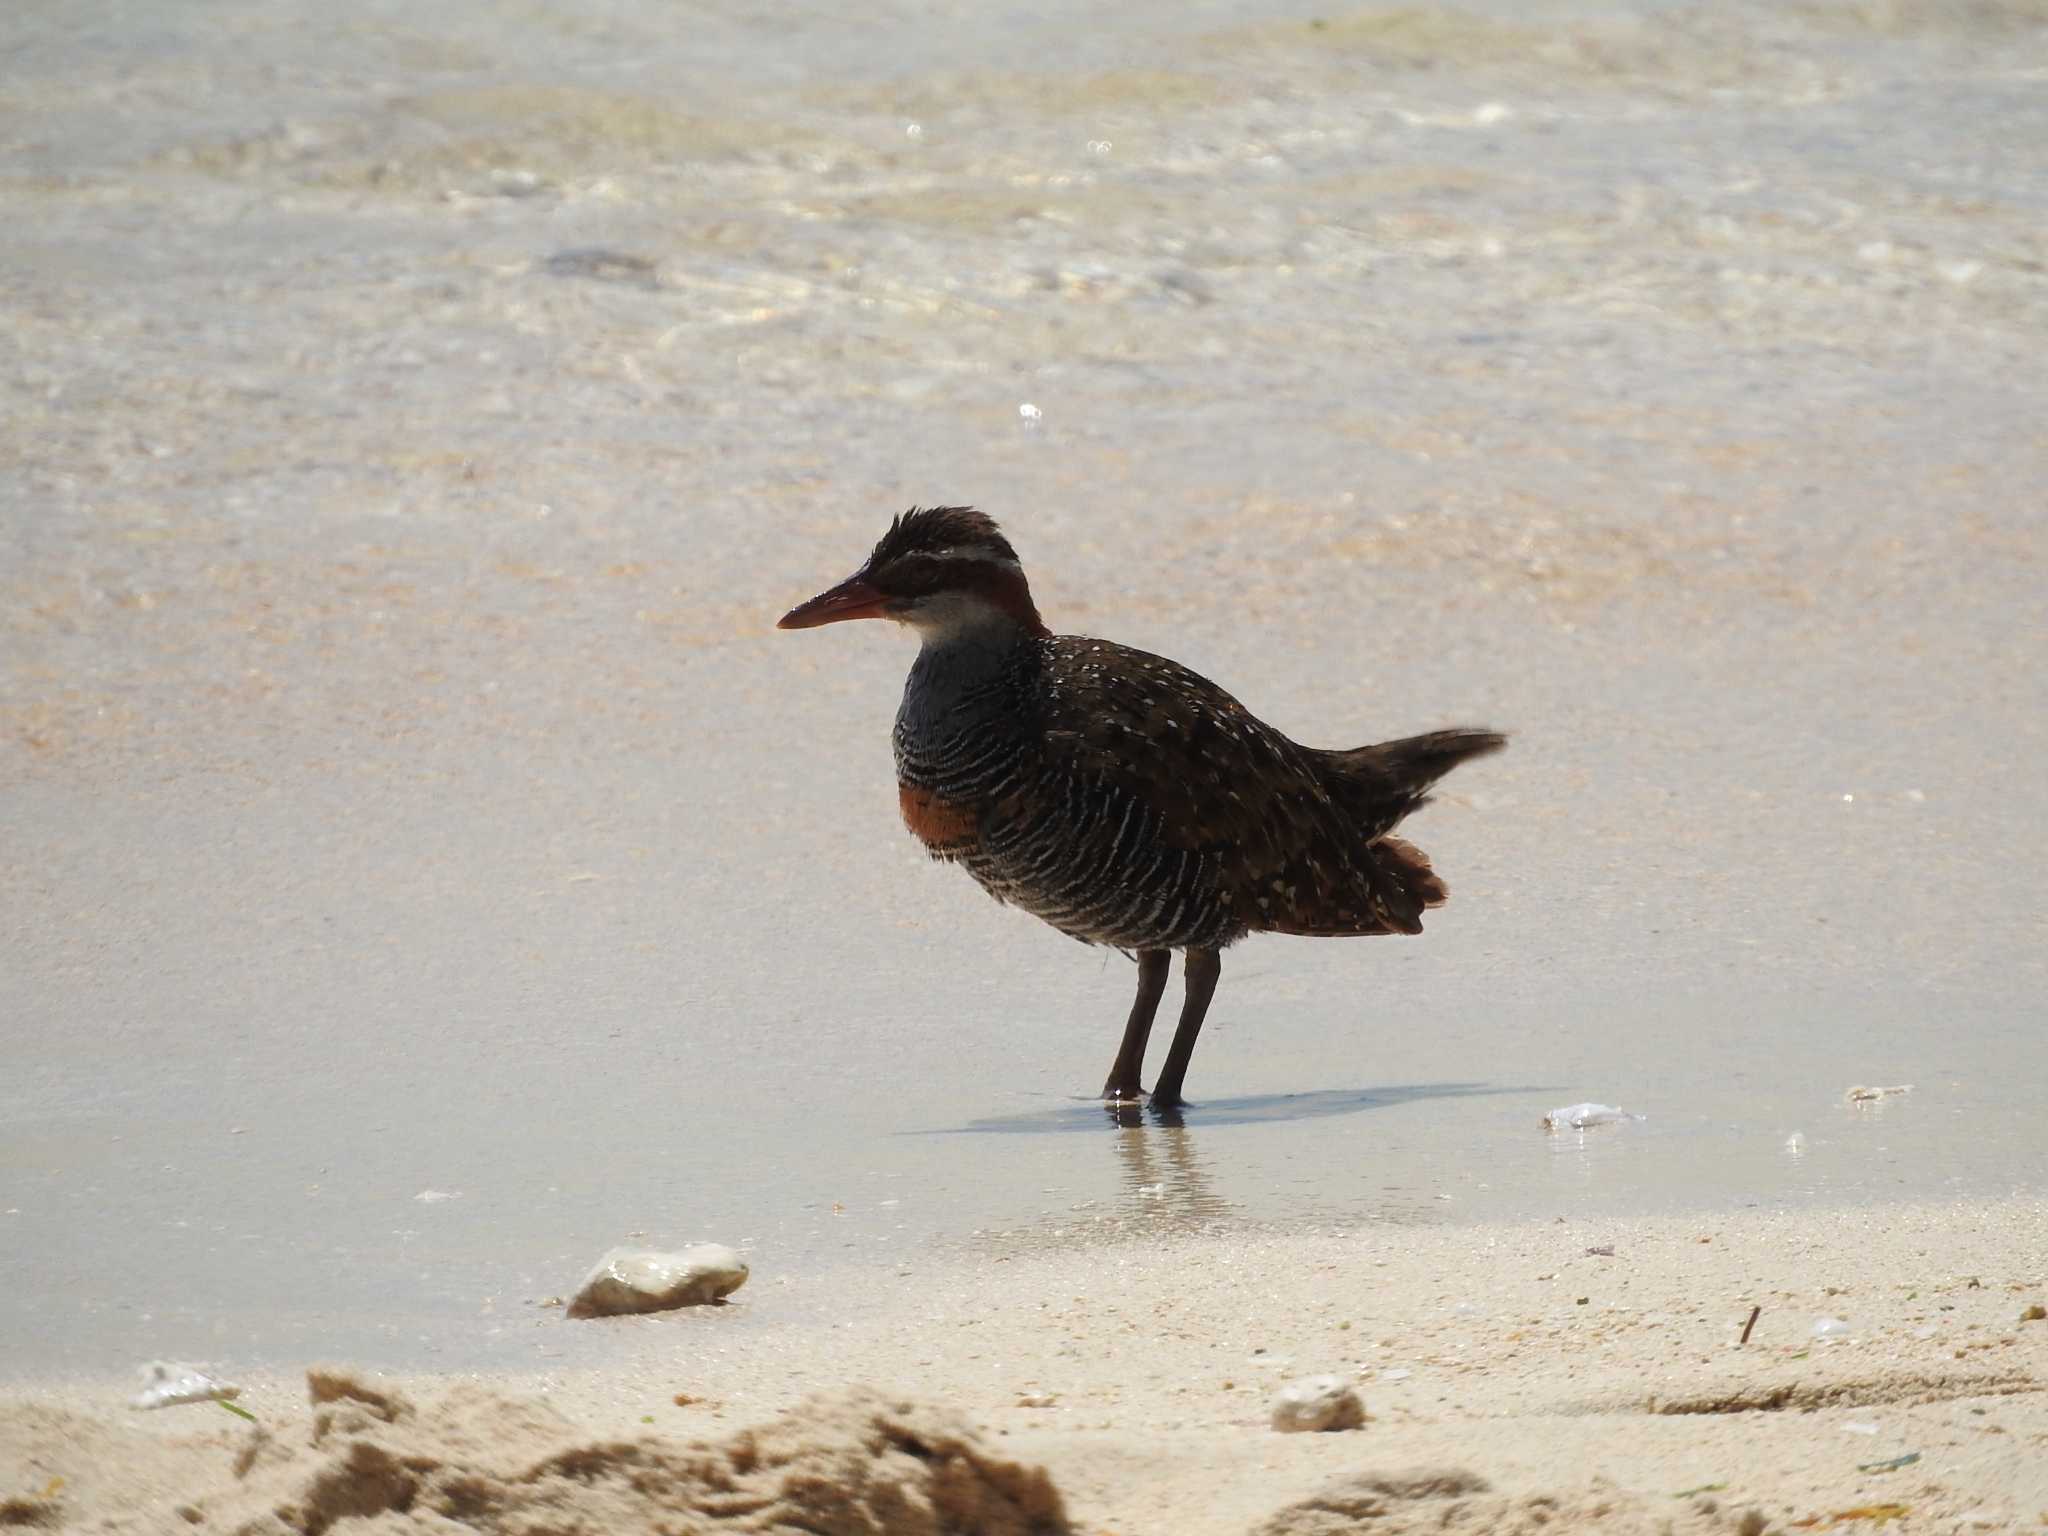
(169, 1386)
(1577, 1117)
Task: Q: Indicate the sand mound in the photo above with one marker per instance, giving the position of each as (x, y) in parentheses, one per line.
(375, 1464)
(1452, 1502)
(855, 1465)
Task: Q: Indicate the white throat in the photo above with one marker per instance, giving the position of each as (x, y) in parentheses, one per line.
(962, 618)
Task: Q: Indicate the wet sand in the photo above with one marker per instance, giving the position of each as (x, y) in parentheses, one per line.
(414, 427)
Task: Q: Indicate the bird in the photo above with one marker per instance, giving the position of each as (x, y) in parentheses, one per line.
(1121, 797)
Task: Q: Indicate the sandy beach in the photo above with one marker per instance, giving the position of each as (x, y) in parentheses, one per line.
(424, 867)
(1555, 1375)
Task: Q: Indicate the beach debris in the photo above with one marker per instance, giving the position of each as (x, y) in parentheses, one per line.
(1863, 1093)
(602, 265)
(1579, 1117)
(1037, 1399)
(512, 183)
(1830, 1328)
(1891, 1464)
(1880, 1514)
(2035, 1314)
(36, 1510)
(436, 1196)
(1796, 1143)
(1186, 286)
(1754, 1313)
(1686, 1493)
(167, 1385)
(642, 1280)
(1601, 1251)
(1454, 1502)
(1317, 1403)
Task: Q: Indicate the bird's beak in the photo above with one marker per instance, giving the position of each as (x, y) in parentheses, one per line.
(853, 598)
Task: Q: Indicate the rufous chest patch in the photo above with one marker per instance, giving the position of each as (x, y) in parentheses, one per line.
(938, 824)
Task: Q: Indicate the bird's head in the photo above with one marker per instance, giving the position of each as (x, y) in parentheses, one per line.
(939, 569)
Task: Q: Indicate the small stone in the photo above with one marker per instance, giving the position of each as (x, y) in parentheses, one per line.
(2035, 1314)
(1317, 1403)
(1037, 1399)
(640, 1280)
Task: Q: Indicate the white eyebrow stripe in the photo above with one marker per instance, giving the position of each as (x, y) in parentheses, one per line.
(984, 554)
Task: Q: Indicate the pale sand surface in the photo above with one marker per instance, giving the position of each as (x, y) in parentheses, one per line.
(415, 416)
(1596, 1390)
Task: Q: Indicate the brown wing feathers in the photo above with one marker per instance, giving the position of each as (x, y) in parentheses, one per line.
(1296, 835)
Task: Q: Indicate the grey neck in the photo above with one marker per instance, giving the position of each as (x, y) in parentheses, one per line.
(953, 682)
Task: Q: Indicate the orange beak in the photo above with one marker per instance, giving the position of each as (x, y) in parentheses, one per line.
(853, 598)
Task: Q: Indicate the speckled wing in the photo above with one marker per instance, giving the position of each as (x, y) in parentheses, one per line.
(1223, 783)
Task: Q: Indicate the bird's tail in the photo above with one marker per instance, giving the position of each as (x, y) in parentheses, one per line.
(1381, 784)
(1374, 787)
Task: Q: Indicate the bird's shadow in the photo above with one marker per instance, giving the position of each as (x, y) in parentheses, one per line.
(1091, 1115)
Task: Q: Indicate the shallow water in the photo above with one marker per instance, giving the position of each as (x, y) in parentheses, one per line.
(414, 427)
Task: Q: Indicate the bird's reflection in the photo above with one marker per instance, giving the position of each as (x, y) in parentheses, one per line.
(1164, 1182)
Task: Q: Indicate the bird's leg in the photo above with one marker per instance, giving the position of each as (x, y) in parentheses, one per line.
(1201, 970)
(1153, 965)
